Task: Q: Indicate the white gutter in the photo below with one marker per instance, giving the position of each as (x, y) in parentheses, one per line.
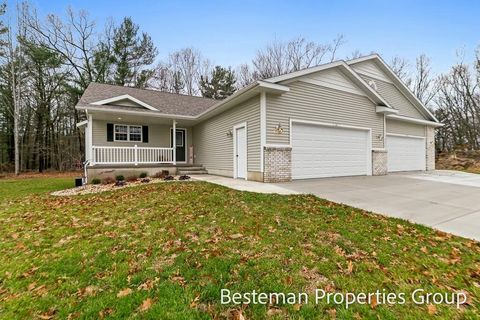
(413, 120)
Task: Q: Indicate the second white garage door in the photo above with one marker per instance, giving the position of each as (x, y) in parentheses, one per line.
(405, 153)
(320, 151)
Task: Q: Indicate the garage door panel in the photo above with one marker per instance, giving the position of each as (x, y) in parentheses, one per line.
(324, 151)
(406, 153)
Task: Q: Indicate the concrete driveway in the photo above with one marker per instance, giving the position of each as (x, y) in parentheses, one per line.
(445, 200)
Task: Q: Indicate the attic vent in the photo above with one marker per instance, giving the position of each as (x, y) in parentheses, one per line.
(372, 84)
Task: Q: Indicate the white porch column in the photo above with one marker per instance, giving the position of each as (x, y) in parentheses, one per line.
(174, 142)
(89, 140)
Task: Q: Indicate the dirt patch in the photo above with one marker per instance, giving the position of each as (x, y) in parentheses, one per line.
(462, 160)
(97, 188)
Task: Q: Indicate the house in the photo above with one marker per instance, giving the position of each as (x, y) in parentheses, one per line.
(343, 118)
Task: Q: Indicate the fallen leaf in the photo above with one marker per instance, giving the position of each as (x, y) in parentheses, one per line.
(236, 236)
(424, 249)
(350, 267)
(274, 311)
(146, 304)
(431, 309)
(194, 303)
(237, 315)
(124, 292)
(332, 313)
(31, 286)
(373, 303)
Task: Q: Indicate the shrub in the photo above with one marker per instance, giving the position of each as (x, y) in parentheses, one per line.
(96, 181)
(143, 175)
(108, 180)
(132, 178)
(120, 177)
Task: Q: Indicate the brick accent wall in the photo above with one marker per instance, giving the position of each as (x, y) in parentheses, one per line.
(430, 135)
(278, 164)
(379, 162)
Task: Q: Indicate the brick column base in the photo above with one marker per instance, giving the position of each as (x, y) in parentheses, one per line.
(379, 162)
(430, 148)
(277, 164)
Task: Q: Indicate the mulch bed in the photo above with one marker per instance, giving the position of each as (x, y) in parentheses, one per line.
(97, 188)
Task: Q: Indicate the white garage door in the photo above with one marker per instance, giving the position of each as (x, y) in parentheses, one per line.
(325, 151)
(405, 153)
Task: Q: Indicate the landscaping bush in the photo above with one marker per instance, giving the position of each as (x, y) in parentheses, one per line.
(96, 181)
(108, 180)
(143, 175)
(120, 177)
(132, 178)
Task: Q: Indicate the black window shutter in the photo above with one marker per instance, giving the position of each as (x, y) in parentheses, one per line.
(109, 131)
(145, 133)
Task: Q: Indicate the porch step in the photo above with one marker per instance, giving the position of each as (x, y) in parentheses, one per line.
(190, 170)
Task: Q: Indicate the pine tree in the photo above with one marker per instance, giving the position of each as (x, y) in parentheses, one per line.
(132, 54)
(220, 85)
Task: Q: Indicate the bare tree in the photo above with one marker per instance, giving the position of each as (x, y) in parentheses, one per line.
(423, 84)
(283, 57)
(400, 67)
(181, 72)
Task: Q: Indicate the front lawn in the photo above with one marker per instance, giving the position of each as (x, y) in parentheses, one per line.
(165, 251)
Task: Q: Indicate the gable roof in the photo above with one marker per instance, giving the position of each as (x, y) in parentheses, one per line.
(399, 84)
(105, 95)
(347, 70)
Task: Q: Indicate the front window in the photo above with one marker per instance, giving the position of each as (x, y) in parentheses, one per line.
(125, 132)
(135, 133)
(121, 132)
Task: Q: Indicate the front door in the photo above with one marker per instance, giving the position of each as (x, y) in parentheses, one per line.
(181, 141)
(240, 152)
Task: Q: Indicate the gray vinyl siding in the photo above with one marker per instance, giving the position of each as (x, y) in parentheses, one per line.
(213, 148)
(311, 102)
(158, 135)
(395, 98)
(400, 127)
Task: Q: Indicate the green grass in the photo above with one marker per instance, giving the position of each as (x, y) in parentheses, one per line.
(181, 243)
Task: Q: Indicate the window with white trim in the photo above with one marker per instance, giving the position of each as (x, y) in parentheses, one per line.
(125, 132)
(135, 133)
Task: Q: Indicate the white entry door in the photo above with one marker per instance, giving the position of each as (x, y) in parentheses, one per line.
(405, 153)
(240, 152)
(320, 151)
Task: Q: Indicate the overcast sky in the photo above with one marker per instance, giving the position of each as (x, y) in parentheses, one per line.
(229, 32)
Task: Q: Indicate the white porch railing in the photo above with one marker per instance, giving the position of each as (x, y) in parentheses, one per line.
(131, 155)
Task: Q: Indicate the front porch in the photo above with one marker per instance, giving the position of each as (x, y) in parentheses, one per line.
(109, 155)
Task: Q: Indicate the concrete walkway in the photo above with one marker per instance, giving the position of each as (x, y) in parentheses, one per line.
(242, 185)
(445, 200)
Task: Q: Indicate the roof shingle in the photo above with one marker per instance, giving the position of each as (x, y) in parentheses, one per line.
(164, 102)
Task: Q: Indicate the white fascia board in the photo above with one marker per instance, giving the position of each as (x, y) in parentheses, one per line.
(272, 87)
(303, 72)
(123, 97)
(413, 120)
(361, 59)
(133, 112)
(386, 110)
(251, 90)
